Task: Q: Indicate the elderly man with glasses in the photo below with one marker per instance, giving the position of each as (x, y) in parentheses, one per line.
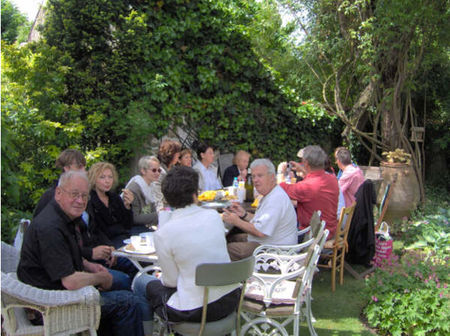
(51, 258)
(274, 221)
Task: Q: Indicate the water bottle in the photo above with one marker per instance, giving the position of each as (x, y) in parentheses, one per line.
(235, 183)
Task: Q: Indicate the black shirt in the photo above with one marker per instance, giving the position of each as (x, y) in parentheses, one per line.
(114, 220)
(50, 249)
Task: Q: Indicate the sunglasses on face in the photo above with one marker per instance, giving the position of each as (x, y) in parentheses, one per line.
(154, 170)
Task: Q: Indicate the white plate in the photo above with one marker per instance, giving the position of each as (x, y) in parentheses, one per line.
(127, 241)
(149, 250)
(216, 204)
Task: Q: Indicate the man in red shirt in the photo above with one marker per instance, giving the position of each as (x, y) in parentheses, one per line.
(317, 191)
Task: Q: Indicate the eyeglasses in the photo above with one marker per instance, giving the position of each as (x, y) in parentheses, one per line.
(76, 194)
(154, 170)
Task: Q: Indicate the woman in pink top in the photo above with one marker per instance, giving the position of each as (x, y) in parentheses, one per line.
(352, 177)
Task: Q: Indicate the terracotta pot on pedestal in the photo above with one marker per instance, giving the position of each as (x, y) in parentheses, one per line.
(405, 194)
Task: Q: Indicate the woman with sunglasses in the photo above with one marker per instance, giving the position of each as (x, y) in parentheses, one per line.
(143, 206)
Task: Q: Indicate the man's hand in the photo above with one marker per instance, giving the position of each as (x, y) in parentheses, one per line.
(237, 209)
(229, 217)
(93, 267)
(105, 281)
(299, 168)
(102, 252)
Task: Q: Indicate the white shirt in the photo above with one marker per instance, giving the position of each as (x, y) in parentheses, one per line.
(208, 179)
(186, 238)
(276, 218)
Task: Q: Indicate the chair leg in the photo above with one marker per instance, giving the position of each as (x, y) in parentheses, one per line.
(296, 325)
(341, 266)
(309, 316)
(333, 274)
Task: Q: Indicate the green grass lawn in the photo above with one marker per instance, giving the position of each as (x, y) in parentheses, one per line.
(337, 313)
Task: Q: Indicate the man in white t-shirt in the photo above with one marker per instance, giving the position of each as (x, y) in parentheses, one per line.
(274, 221)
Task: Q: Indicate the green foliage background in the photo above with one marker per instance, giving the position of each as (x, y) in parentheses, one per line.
(108, 75)
(15, 26)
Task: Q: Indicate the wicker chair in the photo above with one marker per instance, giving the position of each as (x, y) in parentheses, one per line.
(64, 312)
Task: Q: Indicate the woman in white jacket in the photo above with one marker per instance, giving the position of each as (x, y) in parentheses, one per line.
(188, 236)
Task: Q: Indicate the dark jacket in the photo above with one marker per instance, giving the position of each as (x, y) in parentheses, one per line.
(92, 234)
(361, 236)
(114, 220)
(46, 197)
(230, 173)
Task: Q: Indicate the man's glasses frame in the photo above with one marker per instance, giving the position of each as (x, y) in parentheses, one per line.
(76, 194)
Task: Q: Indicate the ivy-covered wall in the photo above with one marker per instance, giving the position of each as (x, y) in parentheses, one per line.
(108, 75)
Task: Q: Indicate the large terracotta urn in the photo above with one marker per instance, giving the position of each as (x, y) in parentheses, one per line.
(405, 193)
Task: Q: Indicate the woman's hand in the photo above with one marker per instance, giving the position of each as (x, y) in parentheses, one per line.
(101, 252)
(243, 175)
(128, 198)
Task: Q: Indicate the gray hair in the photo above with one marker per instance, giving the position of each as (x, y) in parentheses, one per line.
(344, 156)
(315, 156)
(264, 162)
(69, 175)
(143, 162)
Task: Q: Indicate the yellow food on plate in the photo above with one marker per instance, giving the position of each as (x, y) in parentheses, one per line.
(228, 196)
(207, 196)
(216, 195)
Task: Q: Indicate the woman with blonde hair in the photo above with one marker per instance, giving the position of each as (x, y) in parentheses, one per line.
(112, 214)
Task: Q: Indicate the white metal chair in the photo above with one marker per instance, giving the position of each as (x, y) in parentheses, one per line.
(314, 227)
(222, 274)
(276, 259)
(310, 233)
(64, 312)
(273, 301)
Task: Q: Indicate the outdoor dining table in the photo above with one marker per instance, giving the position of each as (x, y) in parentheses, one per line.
(143, 262)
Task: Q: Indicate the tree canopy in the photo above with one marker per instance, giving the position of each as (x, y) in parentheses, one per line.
(109, 76)
(15, 25)
(368, 63)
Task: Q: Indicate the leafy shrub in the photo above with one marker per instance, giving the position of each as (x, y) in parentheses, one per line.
(410, 296)
(10, 223)
(431, 234)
